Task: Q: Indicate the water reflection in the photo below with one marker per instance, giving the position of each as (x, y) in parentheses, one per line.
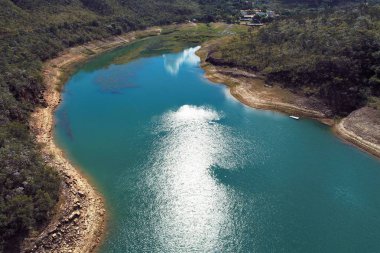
(64, 121)
(173, 62)
(195, 208)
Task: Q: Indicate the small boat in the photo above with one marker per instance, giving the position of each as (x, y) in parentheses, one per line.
(294, 117)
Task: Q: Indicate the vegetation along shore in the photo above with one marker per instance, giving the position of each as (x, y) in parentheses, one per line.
(317, 59)
(361, 127)
(337, 83)
(79, 222)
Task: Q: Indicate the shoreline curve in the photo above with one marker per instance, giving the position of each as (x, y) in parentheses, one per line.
(79, 222)
(240, 82)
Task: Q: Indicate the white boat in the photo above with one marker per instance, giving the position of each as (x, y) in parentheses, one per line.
(294, 117)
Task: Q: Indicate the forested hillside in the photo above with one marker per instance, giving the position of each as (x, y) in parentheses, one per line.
(32, 31)
(318, 2)
(333, 54)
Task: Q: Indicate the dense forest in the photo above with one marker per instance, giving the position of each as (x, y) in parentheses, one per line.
(333, 54)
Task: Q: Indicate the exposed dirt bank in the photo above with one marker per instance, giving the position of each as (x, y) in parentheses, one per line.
(361, 127)
(79, 222)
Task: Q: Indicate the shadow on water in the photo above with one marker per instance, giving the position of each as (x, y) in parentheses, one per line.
(238, 179)
(64, 122)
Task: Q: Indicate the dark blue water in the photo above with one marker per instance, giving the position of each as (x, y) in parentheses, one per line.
(184, 167)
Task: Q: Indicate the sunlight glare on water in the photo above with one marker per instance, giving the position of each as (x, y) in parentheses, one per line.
(195, 207)
(184, 167)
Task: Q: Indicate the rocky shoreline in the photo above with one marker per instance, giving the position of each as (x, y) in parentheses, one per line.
(361, 128)
(80, 217)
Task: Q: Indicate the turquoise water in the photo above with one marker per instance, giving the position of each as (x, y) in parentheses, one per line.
(184, 167)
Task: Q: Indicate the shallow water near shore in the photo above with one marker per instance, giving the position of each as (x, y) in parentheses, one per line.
(184, 167)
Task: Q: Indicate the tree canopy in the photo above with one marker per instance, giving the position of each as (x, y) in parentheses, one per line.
(330, 54)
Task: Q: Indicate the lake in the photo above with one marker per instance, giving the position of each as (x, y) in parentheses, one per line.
(185, 167)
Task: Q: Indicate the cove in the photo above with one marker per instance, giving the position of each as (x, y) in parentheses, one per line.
(184, 167)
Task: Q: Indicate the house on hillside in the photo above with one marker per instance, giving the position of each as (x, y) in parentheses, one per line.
(255, 24)
(271, 14)
(244, 12)
(247, 18)
(256, 17)
(261, 14)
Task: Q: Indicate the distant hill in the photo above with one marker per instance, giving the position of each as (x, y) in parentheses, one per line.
(317, 2)
(26, 14)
